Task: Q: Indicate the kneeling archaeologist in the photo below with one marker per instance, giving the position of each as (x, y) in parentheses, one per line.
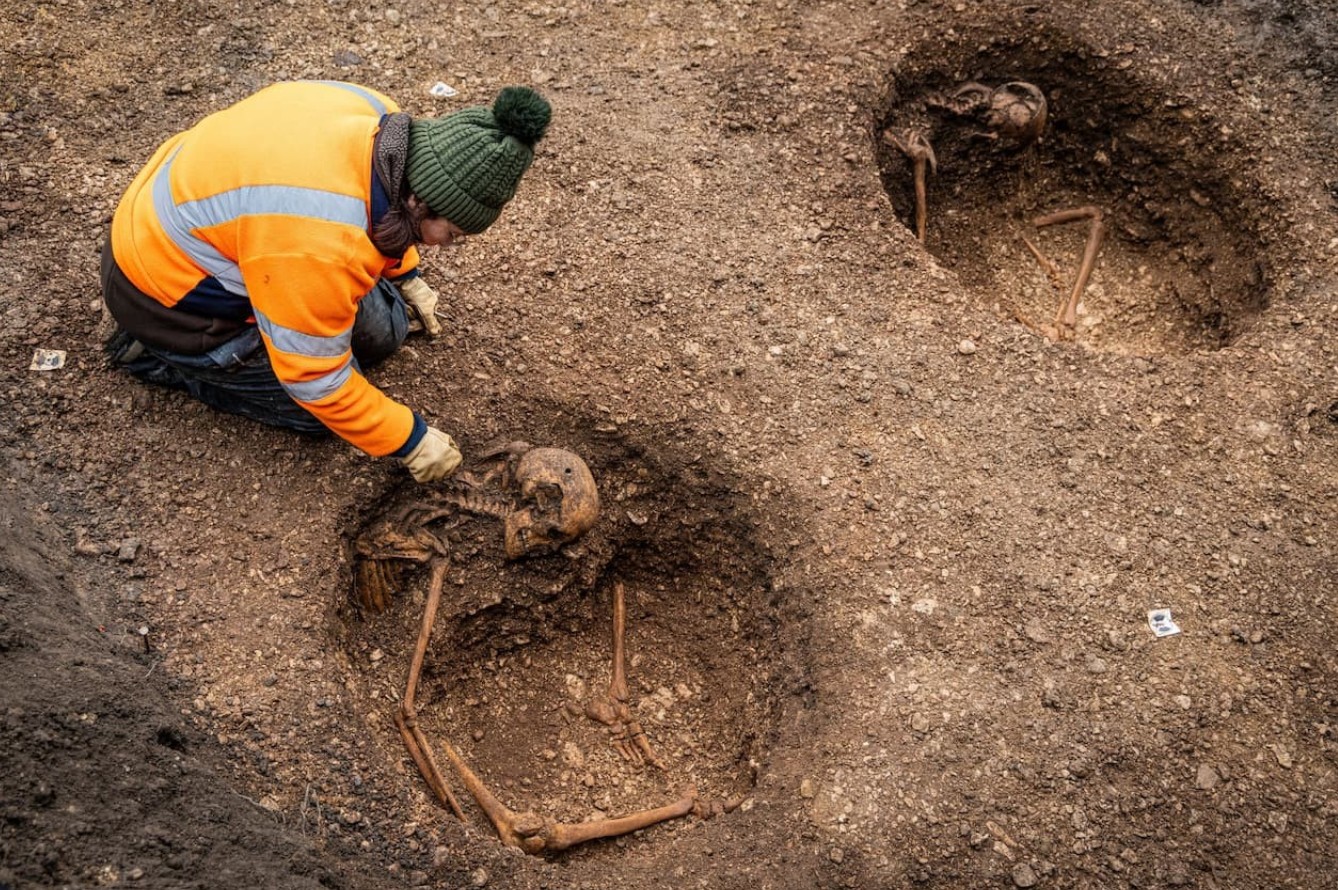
(265, 257)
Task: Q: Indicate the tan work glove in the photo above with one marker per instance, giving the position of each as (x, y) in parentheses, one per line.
(422, 300)
(434, 457)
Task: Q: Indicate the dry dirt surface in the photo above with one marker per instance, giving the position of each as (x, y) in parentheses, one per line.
(889, 554)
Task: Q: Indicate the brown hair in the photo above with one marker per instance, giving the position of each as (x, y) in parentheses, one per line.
(401, 226)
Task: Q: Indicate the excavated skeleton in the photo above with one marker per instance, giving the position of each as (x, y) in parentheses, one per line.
(1015, 112)
(1015, 115)
(545, 498)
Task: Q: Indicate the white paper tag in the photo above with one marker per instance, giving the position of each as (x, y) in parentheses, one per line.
(47, 360)
(1160, 622)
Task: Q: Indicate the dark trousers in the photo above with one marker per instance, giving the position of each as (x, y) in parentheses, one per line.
(237, 377)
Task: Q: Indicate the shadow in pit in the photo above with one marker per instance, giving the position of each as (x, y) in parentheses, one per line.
(519, 649)
(1183, 264)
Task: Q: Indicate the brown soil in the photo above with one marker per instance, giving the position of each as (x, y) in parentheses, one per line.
(889, 554)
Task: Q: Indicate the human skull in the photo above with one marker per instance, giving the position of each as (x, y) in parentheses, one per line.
(1017, 112)
(557, 501)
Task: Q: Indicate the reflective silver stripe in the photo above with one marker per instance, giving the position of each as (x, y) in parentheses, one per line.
(314, 390)
(203, 254)
(180, 220)
(298, 343)
(354, 88)
(281, 200)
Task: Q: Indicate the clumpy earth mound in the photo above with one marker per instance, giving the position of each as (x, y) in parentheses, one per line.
(889, 554)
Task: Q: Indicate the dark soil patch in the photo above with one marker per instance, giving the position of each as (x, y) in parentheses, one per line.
(101, 772)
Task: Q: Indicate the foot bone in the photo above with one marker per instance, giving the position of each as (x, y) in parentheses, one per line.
(1067, 317)
(915, 146)
(629, 739)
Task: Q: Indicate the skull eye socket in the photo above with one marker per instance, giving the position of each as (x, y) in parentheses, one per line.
(547, 497)
(547, 530)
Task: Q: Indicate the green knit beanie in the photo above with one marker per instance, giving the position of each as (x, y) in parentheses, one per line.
(466, 165)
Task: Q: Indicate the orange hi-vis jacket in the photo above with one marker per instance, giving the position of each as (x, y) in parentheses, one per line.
(262, 210)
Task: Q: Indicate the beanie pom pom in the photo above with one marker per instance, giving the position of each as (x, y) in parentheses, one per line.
(522, 113)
